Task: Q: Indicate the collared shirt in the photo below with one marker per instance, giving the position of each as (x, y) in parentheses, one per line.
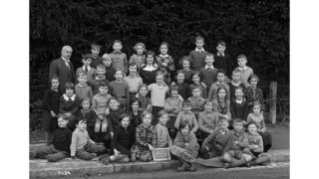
(221, 54)
(87, 68)
(207, 67)
(67, 62)
(68, 98)
(199, 50)
(239, 101)
(242, 68)
(226, 132)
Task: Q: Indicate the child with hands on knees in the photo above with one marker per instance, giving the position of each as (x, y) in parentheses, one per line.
(146, 139)
(51, 109)
(69, 104)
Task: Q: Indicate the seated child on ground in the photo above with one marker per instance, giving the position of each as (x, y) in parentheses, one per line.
(69, 104)
(258, 118)
(208, 120)
(122, 141)
(145, 139)
(82, 146)
(256, 146)
(185, 148)
(59, 146)
(217, 143)
(235, 156)
(87, 113)
(100, 103)
(163, 138)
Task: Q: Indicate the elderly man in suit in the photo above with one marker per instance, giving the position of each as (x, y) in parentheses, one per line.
(63, 68)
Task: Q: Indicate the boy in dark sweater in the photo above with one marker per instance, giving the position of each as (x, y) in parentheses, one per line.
(217, 143)
(90, 115)
(60, 145)
(96, 59)
(198, 55)
(110, 71)
(222, 60)
(235, 156)
(96, 82)
(234, 83)
(208, 73)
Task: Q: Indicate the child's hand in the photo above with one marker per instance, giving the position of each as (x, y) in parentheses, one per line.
(116, 152)
(150, 147)
(68, 114)
(53, 114)
(256, 146)
(263, 130)
(107, 111)
(112, 134)
(244, 122)
(164, 64)
(236, 142)
(186, 144)
(100, 117)
(203, 84)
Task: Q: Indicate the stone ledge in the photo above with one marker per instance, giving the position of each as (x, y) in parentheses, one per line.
(80, 168)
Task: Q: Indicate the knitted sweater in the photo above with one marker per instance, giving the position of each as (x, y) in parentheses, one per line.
(245, 74)
(124, 137)
(208, 76)
(208, 121)
(83, 91)
(232, 88)
(133, 82)
(181, 140)
(203, 91)
(197, 59)
(79, 140)
(223, 62)
(242, 140)
(113, 119)
(255, 139)
(212, 94)
(197, 104)
(163, 137)
(70, 105)
(148, 76)
(259, 120)
(109, 74)
(139, 60)
(239, 110)
(62, 139)
(90, 117)
(158, 94)
(224, 140)
(184, 90)
(90, 73)
(100, 103)
(95, 84)
(169, 105)
(186, 118)
(119, 60)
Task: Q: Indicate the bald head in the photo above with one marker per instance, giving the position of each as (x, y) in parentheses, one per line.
(66, 52)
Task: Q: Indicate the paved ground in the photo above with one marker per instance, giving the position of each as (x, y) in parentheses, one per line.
(261, 172)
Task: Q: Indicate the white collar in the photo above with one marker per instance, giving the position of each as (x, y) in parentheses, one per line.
(235, 84)
(88, 68)
(223, 132)
(220, 54)
(211, 67)
(164, 56)
(242, 69)
(239, 101)
(149, 68)
(97, 78)
(199, 50)
(67, 98)
(218, 83)
(65, 60)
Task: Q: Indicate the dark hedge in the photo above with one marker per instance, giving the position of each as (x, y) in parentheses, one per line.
(259, 29)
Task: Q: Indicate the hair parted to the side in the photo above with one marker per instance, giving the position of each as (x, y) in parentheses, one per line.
(220, 88)
(163, 43)
(253, 76)
(238, 120)
(162, 113)
(220, 71)
(257, 103)
(69, 85)
(117, 41)
(79, 119)
(83, 74)
(199, 38)
(208, 102)
(186, 103)
(183, 125)
(145, 113)
(222, 43)
(100, 66)
(239, 88)
(242, 56)
(124, 115)
(95, 46)
(140, 44)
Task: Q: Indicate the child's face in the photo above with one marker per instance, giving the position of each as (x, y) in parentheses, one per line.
(139, 50)
(186, 108)
(208, 106)
(238, 126)
(253, 83)
(69, 92)
(220, 77)
(236, 77)
(86, 104)
(107, 62)
(180, 77)
(163, 49)
(125, 122)
(199, 44)
(174, 93)
(117, 46)
(95, 52)
(143, 91)
(163, 119)
(159, 79)
(239, 94)
(185, 130)
(147, 119)
(100, 72)
(133, 69)
(256, 109)
(221, 94)
(252, 128)
(55, 83)
(220, 49)
(149, 59)
(82, 79)
(87, 62)
(62, 123)
(209, 60)
(118, 75)
(223, 125)
(135, 106)
(114, 104)
(196, 79)
(81, 125)
(186, 64)
(196, 92)
(242, 62)
(103, 90)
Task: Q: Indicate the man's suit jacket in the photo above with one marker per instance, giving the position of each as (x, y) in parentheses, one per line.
(65, 74)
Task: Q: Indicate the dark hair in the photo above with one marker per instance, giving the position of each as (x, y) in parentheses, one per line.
(124, 115)
(209, 55)
(185, 58)
(252, 123)
(95, 46)
(196, 73)
(54, 78)
(101, 67)
(179, 72)
(104, 84)
(253, 76)
(163, 43)
(236, 71)
(113, 98)
(259, 104)
(63, 116)
(222, 43)
(117, 41)
(174, 87)
(220, 88)
(239, 87)
(146, 113)
(238, 120)
(207, 101)
(199, 38)
(133, 101)
(86, 99)
(139, 44)
(241, 56)
(78, 119)
(186, 103)
(161, 113)
(69, 85)
(152, 54)
(183, 125)
(220, 71)
(223, 119)
(87, 56)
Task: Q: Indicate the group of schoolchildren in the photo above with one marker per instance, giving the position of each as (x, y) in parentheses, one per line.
(120, 110)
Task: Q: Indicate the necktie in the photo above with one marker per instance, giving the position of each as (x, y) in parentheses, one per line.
(86, 69)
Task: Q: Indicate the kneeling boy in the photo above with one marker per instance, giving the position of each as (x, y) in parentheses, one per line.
(217, 143)
(60, 145)
(235, 156)
(82, 146)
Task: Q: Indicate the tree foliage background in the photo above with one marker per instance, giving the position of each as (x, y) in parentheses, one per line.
(258, 29)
